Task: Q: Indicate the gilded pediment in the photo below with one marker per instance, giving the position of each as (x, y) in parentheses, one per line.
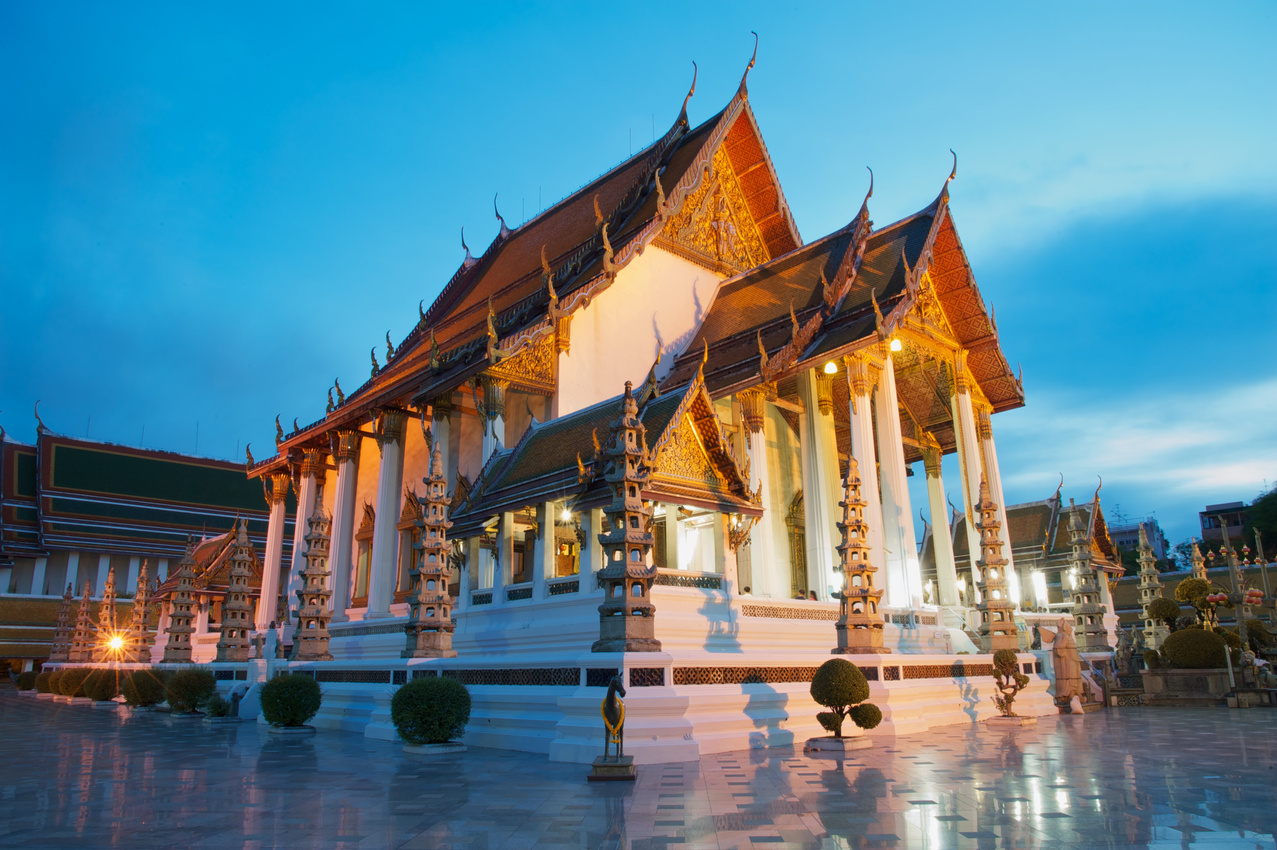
(683, 458)
(714, 226)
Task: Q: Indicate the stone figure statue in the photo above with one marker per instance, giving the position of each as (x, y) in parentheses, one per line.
(1067, 663)
(1122, 655)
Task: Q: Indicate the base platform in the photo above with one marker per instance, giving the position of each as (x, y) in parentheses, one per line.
(606, 770)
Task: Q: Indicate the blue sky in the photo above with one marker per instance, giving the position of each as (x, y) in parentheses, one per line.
(207, 213)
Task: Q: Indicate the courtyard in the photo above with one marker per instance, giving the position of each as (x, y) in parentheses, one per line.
(79, 777)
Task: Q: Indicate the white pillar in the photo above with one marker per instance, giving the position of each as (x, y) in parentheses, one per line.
(385, 566)
(968, 451)
(941, 537)
(104, 568)
(543, 562)
(766, 571)
(994, 475)
(276, 486)
(861, 377)
(161, 566)
(343, 529)
(130, 582)
(38, 577)
(904, 575)
(441, 431)
(502, 570)
(820, 486)
(670, 522)
(465, 582)
(494, 408)
(73, 573)
(725, 556)
(591, 552)
(314, 465)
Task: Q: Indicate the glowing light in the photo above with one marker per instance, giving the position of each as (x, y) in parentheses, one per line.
(116, 643)
(831, 368)
(896, 345)
(566, 516)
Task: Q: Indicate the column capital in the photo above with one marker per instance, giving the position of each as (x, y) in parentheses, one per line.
(314, 462)
(862, 376)
(824, 392)
(347, 444)
(389, 424)
(751, 408)
(275, 487)
(983, 426)
(961, 375)
(441, 407)
(493, 396)
(932, 453)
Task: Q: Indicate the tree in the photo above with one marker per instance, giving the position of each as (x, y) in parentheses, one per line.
(1009, 680)
(840, 686)
(1263, 518)
(1164, 611)
(1206, 599)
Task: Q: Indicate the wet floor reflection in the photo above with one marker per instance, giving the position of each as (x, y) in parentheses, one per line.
(81, 777)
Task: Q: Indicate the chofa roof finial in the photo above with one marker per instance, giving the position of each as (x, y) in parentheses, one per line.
(954, 172)
(752, 59)
(39, 423)
(683, 113)
(469, 260)
(505, 231)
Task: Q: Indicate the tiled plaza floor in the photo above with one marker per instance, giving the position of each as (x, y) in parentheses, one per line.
(73, 776)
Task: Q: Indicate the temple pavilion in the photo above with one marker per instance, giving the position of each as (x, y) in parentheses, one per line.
(663, 351)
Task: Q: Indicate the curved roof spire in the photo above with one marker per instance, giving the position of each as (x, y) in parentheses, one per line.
(469, 260)
(682, 115)
(752, 60)
(953, 172)
(505, 231)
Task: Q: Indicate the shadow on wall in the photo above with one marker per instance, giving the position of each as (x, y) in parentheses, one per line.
(723, 634)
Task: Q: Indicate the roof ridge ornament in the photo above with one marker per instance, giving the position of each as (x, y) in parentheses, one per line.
(421, 312)
(372, 352)
(341, 396)
(683, 113)
(609, 267)
(248, 455)
(435, 364)
(469, 260)
(390, 347)
(598, 215)
(331, 407)
(661, 209)
(505, 231)
(279, 432)
(752, 60)
(953, 172)
(40, 426)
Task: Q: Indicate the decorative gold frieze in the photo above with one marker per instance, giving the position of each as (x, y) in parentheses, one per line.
(715, 222)
(684, 457)
(533, 369)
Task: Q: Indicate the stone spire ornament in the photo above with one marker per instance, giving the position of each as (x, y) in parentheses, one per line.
(237, 612)
(82, 637)
(310, 641)
(626, 617)
(1150, 588)
(430, 625)
(1088, 613)
(138, 642)
(996, 610)
(181, 618)
(102, 650)
(61, 649)
(1199, 563)
(859, 624)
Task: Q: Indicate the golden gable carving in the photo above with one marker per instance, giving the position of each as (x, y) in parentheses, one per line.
(715, 223)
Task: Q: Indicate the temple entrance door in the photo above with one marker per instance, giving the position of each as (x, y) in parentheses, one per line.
(797, 526)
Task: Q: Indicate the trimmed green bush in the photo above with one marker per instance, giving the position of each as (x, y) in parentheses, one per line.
(218, 707)
(432, 710)
(1008, 680)
(1164, 611)
(26, 681)
(866, 715)
(290, 700)
(102, 685)
(143, 687)
(1152, 659)
(1233, 639)
(1195, 649)
(71, 684)
(840, 686)
(55, 681)
(188, 690)
(1258, 635)
(43, 682)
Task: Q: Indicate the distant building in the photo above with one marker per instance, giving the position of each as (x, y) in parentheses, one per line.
(1216, 517)
(71, 510)
(1127, 536)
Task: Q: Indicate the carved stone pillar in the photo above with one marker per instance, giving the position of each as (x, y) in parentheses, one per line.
(969, 463)
(862, 376)
(904, 576)
(349, 442)
(494, 410)
(313, 468)
(275, 486)
(768, 572)
(941, 538)
(381, 580)
(820, 486)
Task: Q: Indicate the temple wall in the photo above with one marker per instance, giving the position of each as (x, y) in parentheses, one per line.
(653, 307)
(469, 443)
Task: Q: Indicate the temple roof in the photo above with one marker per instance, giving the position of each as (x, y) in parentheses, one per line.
(692, 462)
(449, 344)
(213, 568)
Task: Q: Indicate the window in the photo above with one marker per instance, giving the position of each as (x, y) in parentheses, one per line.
(363, 558)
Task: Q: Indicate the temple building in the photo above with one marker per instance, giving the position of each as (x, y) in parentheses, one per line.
(644, 400)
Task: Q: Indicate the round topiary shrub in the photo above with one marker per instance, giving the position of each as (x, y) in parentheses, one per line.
(218, 707)
(840, 686)
(1233, 639)
(43, 682)
(290, 700)
(1164, 611)
(1195, 649)
(143, 687)
(72, 682)
(866, 715)
(55, 681)
(188, 690)
(431, 710)
(102, 685)
(26, 681)
(1152, 659)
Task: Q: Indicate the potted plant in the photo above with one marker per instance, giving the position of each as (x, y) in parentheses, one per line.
(188, 690)
(143, 689)
(288, 701)
(430, 715)
(1008, 681)
(840, 687)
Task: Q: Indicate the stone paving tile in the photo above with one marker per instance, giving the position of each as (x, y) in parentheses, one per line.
(84, 778)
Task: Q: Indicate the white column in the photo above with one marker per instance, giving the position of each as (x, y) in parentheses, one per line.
(276, 486)
(38, 578)
(73, 574)
(543, 564)
(314, 463)
(130, 582)
(820, 477)
(591, 552)
(861, 376)
(465, 580)
(904, 576)
(766, 571)
(968, 451)
(343, 530)
(502, 570)
(441, 431)
(161, 566)
(385, 566)
(670, 521)
(494, 406)
(994, 475)
(104, 568)
(725, 557)
(941, 538)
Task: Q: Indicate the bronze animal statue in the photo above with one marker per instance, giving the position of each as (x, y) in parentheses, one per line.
(613, 711)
